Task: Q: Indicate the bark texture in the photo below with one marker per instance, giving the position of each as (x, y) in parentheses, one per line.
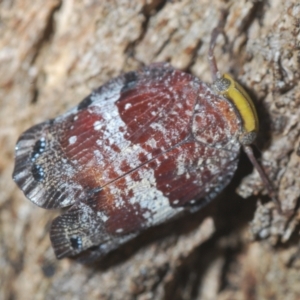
(54, 52)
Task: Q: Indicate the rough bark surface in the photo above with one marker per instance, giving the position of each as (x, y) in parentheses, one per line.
(54, 52)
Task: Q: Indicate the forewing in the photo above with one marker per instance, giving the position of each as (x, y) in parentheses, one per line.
(183, 178)
(119, 127)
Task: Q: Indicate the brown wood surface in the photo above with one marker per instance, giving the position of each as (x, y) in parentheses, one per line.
(53, 53)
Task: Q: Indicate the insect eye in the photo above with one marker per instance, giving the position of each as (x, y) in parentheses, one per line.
(222, 85)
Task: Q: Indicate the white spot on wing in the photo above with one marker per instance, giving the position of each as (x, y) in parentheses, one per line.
(102, 216)
(127, 106)
(72, 140)
(97, 125)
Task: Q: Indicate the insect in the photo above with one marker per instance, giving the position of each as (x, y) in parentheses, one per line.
(136, 152)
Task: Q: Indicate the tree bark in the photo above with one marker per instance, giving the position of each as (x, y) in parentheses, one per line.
(54, 52)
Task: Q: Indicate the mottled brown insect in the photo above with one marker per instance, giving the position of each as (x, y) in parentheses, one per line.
(136, 152)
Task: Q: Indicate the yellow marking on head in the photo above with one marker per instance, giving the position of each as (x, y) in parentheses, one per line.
(230, 89)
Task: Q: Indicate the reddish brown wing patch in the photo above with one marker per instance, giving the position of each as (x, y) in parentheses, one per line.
(151, 115)
(158, 110)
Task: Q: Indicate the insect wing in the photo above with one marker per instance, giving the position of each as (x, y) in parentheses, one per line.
(117, 128)
(125, 158)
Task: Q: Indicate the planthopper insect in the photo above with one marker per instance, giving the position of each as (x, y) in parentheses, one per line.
(136, 152)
